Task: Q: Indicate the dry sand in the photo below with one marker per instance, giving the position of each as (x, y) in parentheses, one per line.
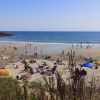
(7, 50)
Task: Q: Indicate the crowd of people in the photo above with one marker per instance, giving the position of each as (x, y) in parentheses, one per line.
(42, 69)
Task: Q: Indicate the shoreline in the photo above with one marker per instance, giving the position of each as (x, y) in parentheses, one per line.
(67, 43)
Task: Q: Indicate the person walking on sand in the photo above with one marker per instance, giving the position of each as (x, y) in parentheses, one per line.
(77, 45)
(41, 52)
(26, 52)
(62, 53)
(81, 44)
(72, 45)
(30, 44)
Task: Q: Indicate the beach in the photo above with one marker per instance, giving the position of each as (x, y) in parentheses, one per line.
(12, 53)
(85, 50)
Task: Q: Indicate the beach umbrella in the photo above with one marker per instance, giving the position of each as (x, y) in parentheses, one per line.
(97, 62)
(88, 65)
(4, 72)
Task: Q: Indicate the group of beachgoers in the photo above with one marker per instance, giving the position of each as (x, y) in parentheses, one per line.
(91, 63)
(80, 45)
(35, 53)
(42, 69)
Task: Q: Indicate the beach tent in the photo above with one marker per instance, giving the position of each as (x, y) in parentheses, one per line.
(97, 62)
(4, 72)
(88, 65)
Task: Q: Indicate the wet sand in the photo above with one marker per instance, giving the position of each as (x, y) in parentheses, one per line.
(50, 48)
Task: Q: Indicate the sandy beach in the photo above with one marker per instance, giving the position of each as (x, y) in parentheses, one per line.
(13, 53)
(85, 50)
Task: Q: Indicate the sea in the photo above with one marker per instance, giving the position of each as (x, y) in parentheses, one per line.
(53, 37)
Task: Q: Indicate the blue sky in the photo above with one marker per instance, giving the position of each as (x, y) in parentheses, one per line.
(50, 15)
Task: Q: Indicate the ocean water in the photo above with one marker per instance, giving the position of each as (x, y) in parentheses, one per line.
(53, 37)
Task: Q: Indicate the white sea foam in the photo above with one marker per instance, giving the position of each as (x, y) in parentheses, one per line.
(52, 43)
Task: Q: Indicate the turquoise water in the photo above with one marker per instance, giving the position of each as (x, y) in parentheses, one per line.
(53, 37)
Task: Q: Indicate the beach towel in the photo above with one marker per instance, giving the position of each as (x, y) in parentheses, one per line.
(34, 70)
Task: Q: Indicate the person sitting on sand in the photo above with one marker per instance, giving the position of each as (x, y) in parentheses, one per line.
(24, 77)
(44, 64)
(40, 66)
(32, 71)
(17, 77)
(27, 67)
(1, 57)
(24, 62)
(32, 61)
(47, 57)
(4, 48)
(83, 72)
(80, 72)
(15, 48)
(59, 62)
(16, 67)
(96, 67)
(2, 67)
(35, 54)
(50, 72)
(48, 67)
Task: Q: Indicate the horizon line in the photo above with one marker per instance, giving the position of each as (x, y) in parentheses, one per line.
(43, 31)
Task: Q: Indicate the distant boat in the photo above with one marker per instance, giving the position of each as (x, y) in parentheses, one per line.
(2, 34)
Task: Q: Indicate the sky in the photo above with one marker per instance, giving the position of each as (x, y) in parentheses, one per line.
(49, 15)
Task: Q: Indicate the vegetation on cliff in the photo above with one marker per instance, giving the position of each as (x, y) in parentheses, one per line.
(2, 34)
